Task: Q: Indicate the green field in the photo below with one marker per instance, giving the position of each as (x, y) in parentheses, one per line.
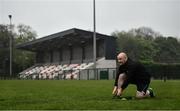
(83, 94)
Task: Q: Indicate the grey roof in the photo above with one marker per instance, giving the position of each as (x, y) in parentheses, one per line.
(57, 40)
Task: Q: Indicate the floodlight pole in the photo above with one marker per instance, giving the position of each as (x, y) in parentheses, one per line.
(94, 36)
(10, 46)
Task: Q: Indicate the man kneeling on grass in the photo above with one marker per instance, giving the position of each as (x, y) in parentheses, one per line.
(130, 72)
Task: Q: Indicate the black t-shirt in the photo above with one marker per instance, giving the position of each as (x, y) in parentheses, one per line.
(135, 73)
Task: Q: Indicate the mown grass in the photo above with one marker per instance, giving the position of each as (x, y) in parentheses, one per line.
(82, 95)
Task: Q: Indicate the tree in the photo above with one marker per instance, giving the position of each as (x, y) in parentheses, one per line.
(145, 32)
(25, 34)
(4, 49)
(168, 50)
(144, 44)
(21, 59)
(24, 59)
(137, 47)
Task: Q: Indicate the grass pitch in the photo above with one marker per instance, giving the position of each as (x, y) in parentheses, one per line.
(82, 95)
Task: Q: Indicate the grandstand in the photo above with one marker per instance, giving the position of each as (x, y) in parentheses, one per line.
(69, 55)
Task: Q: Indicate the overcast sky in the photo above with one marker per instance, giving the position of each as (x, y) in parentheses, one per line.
(51, 16)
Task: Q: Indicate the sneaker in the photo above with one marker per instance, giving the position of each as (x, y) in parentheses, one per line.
(151, 92)
(114, 96)
(119, 97)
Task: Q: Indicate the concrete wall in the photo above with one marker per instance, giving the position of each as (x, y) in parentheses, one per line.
(66, 55)
(47, 57)
(88, 52)
(110, 48)
(100, 48)
(40, 57)
(55, 56)
(77, 54)
(88, 74)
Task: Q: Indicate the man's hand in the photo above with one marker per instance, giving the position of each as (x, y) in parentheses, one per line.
(114, 90)
(119, 91)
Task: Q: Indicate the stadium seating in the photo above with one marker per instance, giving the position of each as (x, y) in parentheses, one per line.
(54, 71)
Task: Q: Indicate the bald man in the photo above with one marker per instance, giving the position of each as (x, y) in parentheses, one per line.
(130, 72)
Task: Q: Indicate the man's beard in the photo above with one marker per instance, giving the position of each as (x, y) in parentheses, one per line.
(120, 64)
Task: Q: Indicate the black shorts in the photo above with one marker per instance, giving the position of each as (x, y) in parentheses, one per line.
(142, 86)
